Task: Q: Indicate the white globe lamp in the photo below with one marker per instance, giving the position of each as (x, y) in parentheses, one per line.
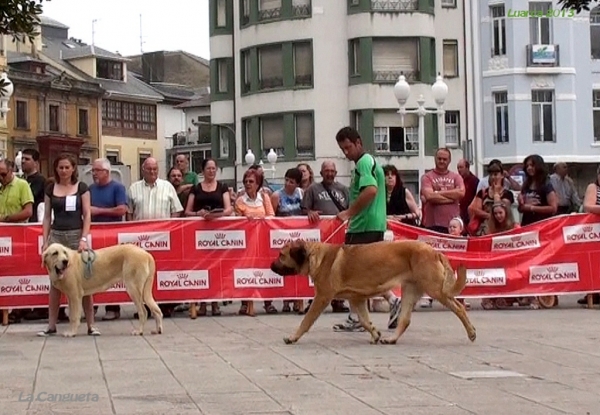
(272, 156)
(402, 90)
(439, 90)
(5, 93)
(19, 163)
(250, 157)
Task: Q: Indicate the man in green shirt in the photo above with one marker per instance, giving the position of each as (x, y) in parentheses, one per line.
(366, 214)
(16, 198)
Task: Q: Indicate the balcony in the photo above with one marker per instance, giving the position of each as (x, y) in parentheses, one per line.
(269, 14)
(547, 56)
(391, 77)
(394, 5)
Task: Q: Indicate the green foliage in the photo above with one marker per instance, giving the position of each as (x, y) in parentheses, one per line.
(578, 5)
(18, 18)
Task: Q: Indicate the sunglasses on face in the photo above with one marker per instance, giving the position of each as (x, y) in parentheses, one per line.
(249, 182)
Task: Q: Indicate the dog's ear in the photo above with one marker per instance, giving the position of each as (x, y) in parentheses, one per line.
(298, 254)
(44, 257)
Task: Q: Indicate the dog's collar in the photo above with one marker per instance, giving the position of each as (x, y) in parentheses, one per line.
(88, 261)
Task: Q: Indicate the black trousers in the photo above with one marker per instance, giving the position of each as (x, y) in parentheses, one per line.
(359, 238)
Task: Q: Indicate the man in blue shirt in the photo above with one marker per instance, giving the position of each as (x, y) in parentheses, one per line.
(109, 204)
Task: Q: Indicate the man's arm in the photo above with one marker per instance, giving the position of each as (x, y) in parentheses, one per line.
(176, 207)
(364, 199)
(130, 206)
(307, 201)
(430, 195)
(458, 192)
(367, 185)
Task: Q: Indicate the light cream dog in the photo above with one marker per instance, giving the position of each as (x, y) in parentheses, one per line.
(127, 263)
(360, 272)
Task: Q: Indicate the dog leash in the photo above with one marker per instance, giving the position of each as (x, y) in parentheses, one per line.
(88, 262)
(335, 231)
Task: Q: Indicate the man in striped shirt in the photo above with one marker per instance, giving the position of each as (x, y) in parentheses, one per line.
(153, 198)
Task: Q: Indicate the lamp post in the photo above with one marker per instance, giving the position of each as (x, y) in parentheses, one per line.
(6, 91)
(271, 158)
(439, 90)
(19, 164)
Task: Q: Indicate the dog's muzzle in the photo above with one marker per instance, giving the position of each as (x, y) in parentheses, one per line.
(283, 270)
(60, 270)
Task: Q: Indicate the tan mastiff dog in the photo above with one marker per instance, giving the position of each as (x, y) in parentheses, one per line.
(127, 263)
(359, 272)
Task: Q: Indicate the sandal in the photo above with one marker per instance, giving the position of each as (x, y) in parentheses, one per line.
(202, 309)
(215, 310)
(286, 309)
(270, 309)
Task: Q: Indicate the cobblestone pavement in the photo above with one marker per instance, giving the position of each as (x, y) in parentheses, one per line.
(523, 362)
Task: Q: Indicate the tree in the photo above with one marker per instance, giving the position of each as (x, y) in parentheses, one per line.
(18, 19)
(578, 5)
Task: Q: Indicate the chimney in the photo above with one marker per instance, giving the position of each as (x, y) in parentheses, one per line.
(153, 66)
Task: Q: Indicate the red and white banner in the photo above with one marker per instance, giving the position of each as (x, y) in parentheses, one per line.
(229, 259)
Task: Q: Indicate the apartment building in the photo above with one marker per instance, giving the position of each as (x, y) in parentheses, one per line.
(540, 83)
(288, 74)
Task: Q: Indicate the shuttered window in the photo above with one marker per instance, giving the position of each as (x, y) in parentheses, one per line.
(270, 60)
(450, 58)
(304, 134)
(395, 55)
(303, 64)
(271, 134)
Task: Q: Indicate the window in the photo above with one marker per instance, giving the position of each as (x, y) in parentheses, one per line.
(304, 134)
(22, 116)
(142, 156)
(501, 116)
(246, 71)
(303, 64)
(198, 156)
(113, 157)
(498, 30)
(452, 123)
(390, 137)
(542, 117)
(269, 9)
(354, 57)
(245, 12)
(270, 62)
(135, 118)
(222, 75)
(107, 69)
(271, 135)
(448, 3)
(595, 32)
(450, 58)
(539, 27)
(596, 109)
(53, 118)
(246, 135)
(83, 122)
(221, 13)
(394, 56)
(300, 8)
(223, 143)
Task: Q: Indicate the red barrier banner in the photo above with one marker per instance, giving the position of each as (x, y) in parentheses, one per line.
(229, 259)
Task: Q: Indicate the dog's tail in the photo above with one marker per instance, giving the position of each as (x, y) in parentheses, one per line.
(453, 286)
(147, 289)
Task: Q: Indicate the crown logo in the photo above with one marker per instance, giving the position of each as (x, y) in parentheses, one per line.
(219, 235)
(258, 274)
(24, 281)
(588, 228)
(479, 273)
(143, 238)
(515, 238)
(295, 234)
(552, 269)
(182, 276)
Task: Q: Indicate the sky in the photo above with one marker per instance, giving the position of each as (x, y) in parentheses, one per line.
(165, 25)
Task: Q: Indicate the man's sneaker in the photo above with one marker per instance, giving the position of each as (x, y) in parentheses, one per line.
(349, 325)
(394, 314)
(46, 333)
(426, 303)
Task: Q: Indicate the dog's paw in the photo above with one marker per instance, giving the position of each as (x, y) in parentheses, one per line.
(377, 338)
(137, 333)
(289, 340)
(473, 335)
(387, 340)
(156, 331)
(68, 334)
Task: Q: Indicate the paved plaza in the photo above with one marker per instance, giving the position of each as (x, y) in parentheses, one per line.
(524, 361)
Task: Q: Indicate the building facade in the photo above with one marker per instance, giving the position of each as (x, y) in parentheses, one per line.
(540, 83)
(288, 74)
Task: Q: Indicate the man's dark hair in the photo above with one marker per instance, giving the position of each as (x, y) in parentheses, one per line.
(35, 155)
(295, 174)
(347, 133)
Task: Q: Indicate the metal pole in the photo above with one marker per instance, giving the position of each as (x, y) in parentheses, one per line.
(421, 114)
(441, 128)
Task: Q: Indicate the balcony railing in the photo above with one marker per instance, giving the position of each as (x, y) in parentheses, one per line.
(394, 5)
(304, 80)
(384, 76)
(543, 55)
(267, 14)
(301, 10)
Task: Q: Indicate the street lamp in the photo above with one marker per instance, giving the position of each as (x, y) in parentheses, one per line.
(439, 90)
(271, 158)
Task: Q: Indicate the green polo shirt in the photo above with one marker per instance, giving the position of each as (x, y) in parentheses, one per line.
(14, 197)
(373, 217)
(190, 178)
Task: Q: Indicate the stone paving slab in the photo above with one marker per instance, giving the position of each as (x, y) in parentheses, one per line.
(533, 362)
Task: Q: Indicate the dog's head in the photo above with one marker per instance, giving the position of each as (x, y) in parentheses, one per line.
(56, 260)
(292, 259)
